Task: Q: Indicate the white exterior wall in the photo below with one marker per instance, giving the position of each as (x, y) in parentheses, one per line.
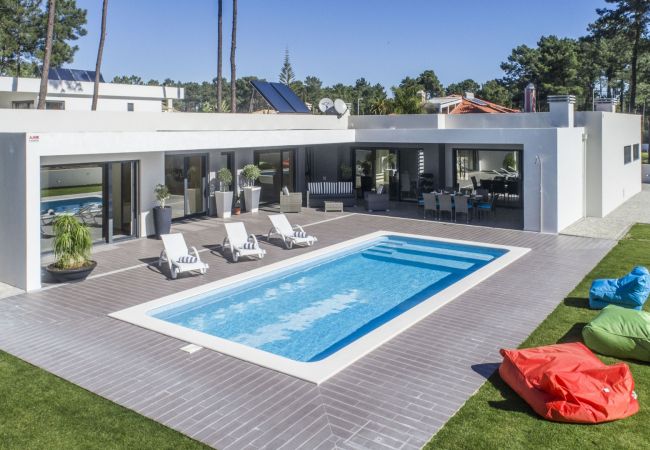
(78, 95)
(620, 181)
(13, 234)
(569, 166)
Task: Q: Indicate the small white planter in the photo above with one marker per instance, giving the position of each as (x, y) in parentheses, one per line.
(224, 203)
(252, 198)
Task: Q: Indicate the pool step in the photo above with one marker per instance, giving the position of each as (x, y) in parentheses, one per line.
(423, 249)
(433, 262)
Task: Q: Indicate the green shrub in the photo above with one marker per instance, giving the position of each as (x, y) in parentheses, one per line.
(162, 194)
(251, 173)
(225, 177)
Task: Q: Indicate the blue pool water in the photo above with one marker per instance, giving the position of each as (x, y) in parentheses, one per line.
(69, 205)
(310, 310)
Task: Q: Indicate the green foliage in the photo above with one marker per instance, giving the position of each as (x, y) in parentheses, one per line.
(225, 177)
(128, 79)
(251, 173)
(430, 83)
(495, 417)
(346, 172)
(287, 76)
(509, 161)
(406, 100)
(71, 243)
(162, 194)
(462, 87)
(494, 91)
(23, 25)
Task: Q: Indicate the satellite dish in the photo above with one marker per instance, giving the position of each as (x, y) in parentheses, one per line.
(340, 107)
(325, 105)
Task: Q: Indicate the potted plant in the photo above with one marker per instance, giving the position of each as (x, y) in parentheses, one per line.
(236, 209)
(71, 244)
(224, 197)
(251, 173)
(162, 215)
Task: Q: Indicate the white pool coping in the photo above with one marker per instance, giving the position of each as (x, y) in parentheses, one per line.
(317, 371)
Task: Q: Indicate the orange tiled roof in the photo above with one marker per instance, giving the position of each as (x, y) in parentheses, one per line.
(467, 106)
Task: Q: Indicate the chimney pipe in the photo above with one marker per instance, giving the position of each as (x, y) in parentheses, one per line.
(562, 109)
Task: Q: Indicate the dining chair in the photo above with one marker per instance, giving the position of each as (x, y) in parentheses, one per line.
(445, 205)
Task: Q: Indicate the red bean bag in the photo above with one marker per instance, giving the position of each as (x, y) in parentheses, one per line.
(568, 383)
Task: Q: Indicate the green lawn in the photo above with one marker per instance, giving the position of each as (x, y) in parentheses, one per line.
(50, 192)
(496, 418)
(41, 411)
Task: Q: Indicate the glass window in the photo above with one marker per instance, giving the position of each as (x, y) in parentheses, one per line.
(130, 107)
(56, 105)
(637, 155)
(76, 190)
(25, 104)
(627, 154)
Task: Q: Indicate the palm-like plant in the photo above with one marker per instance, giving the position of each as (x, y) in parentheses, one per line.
(100, 52)
(72, 243)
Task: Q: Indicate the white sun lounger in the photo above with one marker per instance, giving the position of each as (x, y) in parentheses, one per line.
(289, 235)
(178, 256)
(240, 242)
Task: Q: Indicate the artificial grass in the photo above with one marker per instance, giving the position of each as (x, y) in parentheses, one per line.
(41, 411)
(50, 192)
(496, 418)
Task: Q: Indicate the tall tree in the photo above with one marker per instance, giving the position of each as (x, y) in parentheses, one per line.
(287, 76)
(68, 26)
(100, 53)
(20, 29)
(462, 87)
(51, 13)
(219, 55)
(233, 70)
(406, 100)
(629, 19)
(494, 91)
(430, 83)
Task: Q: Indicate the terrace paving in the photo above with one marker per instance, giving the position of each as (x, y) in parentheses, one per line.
(396, 397)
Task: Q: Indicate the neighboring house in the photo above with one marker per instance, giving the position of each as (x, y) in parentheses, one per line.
(563, 165)
(467, 104)
(72, 90)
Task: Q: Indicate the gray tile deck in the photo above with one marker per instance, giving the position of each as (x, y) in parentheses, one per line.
(395, 397)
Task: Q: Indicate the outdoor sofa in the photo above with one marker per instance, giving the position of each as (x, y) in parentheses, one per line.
(320, 191)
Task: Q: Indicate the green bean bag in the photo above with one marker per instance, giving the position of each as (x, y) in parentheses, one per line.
(619, 332)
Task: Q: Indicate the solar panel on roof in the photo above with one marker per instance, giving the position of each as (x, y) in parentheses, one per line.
(272, 96)
(291, 97)
(477, 101)
(280, 97)
(58, 73)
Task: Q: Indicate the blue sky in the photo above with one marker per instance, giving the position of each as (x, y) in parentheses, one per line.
(336, 40)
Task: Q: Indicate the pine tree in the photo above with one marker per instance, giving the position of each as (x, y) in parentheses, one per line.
(286, 74)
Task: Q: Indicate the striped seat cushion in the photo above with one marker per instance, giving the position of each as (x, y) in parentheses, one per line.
(187, 259)
(299, 234)
(250, 245)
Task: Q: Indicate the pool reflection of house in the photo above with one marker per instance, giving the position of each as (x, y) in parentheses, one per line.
(560, 165)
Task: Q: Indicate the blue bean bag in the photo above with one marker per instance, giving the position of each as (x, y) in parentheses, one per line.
(630, 291)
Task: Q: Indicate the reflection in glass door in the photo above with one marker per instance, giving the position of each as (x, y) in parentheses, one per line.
(277, 169)
(185, 176)
(122, 194)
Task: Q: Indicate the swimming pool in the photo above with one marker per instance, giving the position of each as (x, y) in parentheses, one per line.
(312, 315)
(69, 205)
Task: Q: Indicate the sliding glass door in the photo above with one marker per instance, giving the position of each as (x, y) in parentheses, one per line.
(186, 178)
(395, 171)
(277, 167)
(103, 196)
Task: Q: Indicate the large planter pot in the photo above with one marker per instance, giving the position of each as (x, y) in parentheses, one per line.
(162, 220)
(252, 198)
(224, 203)
(68, 275)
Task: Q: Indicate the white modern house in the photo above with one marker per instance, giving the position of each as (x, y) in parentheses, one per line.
(561, 165)
(72, 90)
